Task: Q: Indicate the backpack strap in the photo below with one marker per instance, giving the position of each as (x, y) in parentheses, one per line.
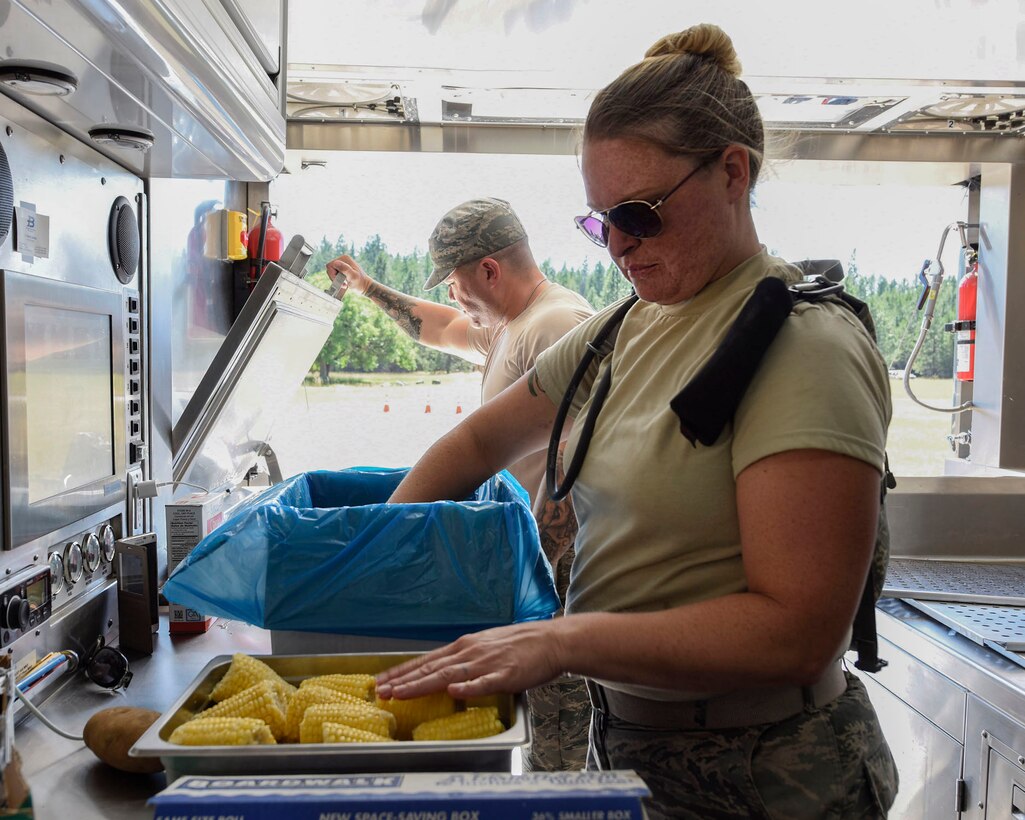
(864, 638)
(708, 402)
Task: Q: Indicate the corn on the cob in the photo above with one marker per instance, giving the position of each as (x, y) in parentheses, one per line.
(364, 716)
(414, 711)
(340, 733)
(306, 697)
(223, 731)
(245, 671)
(481, 721)
(264, 701)
(362, 686)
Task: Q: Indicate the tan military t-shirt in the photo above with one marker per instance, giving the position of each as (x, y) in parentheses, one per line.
(510, 352)
(658, 517)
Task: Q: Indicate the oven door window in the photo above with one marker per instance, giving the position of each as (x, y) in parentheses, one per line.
(70, 416)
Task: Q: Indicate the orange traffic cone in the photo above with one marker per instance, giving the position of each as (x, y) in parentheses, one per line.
(427, 409)
(387, 409)
(459, 408)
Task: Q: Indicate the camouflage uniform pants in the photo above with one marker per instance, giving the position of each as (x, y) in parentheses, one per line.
(560, 711)
(831, 762)
(560, 714)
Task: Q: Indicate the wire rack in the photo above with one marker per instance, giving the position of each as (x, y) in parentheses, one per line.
(978, 582)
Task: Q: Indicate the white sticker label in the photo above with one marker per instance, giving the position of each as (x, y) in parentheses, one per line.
(32, 232)
(25, 664)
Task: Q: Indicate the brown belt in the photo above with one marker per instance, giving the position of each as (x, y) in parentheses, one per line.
(748, 707)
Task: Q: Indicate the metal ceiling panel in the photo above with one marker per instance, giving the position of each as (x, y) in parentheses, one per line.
(470, 74)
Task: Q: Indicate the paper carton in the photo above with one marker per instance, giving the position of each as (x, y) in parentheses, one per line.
(428, 796)
(189, 521)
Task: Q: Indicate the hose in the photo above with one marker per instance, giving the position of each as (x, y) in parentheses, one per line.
(930, 308)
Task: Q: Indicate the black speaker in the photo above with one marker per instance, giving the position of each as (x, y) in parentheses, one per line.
(123, 240)
(137, 594)
(6, 196)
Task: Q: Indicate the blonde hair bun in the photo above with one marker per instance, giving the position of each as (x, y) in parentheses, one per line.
(702, 40)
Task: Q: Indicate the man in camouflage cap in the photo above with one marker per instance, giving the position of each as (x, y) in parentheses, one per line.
(471, 231)
(508, 313)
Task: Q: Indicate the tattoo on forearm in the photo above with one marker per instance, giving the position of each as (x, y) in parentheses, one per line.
(557, 525)
(399, 307)
(534, 384)
(556, 520)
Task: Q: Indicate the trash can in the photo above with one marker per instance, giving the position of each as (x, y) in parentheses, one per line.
(324, 563)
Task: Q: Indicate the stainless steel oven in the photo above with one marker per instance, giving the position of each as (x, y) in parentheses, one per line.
(63, 383)
(73, 385)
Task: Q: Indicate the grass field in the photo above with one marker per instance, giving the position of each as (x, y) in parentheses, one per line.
(917, 443)
(346, 425)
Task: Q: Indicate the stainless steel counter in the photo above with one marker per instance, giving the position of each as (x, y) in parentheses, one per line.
(981, 671)
(66, 779)
(953, 712)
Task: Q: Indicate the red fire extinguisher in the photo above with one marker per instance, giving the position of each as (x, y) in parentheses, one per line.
(265, 244)
(967, 297)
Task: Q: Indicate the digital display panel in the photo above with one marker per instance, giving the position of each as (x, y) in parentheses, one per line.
(68, 393)
(36, 594)
(130, 574)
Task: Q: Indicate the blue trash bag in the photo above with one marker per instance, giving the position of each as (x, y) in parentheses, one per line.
(322, 552)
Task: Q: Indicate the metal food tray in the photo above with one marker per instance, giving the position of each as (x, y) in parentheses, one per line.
(490, 754)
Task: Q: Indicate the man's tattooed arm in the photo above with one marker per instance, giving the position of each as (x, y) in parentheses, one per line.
(399, 307)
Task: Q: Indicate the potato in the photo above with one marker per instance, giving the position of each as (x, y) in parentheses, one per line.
(110, 733)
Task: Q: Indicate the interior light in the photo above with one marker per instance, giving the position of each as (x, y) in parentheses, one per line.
(41, 79)
(119, 136)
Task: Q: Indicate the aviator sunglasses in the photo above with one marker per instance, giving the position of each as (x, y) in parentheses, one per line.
(636, 217)
(106, 666)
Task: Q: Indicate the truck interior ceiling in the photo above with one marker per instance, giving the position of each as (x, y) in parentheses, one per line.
(178, 177)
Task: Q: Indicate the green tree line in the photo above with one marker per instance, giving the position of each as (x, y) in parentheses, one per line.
(894, 306)
(365, 340)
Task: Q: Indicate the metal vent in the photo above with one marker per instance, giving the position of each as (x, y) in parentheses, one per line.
(123, 240)
(6, 196)
(968, 113)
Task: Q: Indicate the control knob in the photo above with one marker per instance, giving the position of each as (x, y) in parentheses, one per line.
(72, 562)
(91, 552)
(16, 613)
(56, 571)
(107, 540)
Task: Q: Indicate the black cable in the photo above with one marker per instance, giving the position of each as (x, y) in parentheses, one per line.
(594, 349)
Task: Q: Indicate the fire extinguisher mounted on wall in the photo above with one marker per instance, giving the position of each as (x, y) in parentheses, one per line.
(265, 244)
(964, 327)
(965, 324)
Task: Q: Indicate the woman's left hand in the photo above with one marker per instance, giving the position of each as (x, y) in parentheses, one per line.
(504, 659)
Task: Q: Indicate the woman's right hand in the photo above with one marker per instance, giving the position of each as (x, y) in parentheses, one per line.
(502, 659)
(355, 277)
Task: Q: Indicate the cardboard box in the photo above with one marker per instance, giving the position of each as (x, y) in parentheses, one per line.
(189, 521)
(433, 796)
